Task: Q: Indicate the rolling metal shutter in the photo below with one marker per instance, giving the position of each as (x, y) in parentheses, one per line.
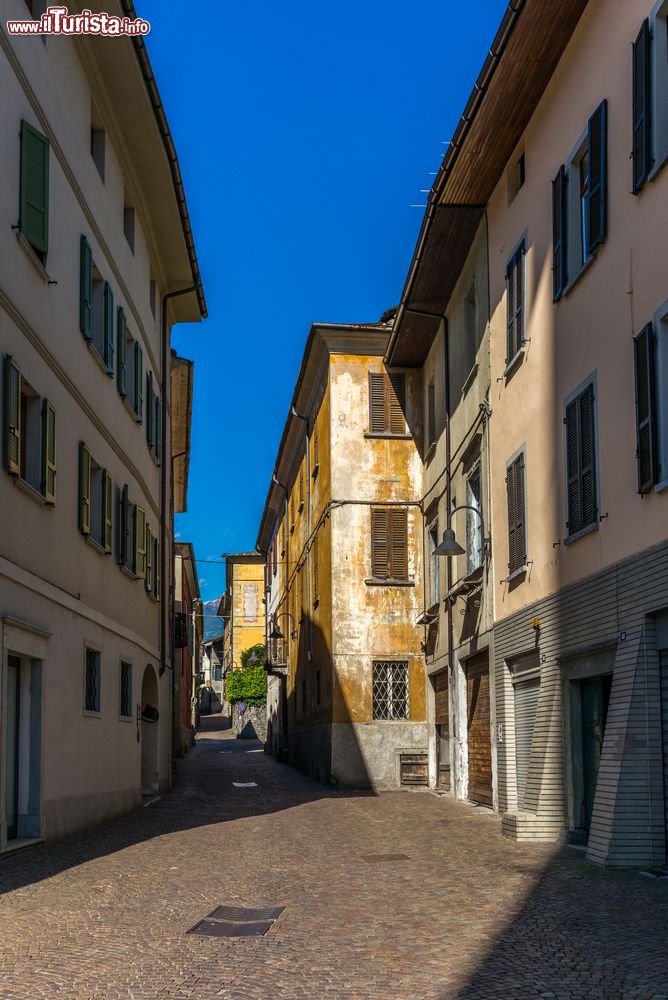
(663, 660)
(526, 705)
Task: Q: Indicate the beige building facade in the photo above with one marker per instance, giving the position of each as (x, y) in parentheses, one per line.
(96, 237)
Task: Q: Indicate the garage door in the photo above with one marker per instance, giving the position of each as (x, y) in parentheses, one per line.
(479, 737)
(664, 726)
(526, 705)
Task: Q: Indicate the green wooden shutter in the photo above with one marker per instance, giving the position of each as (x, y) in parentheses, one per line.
(646, 452)
(380, 543)
(150, 409)
(108, 327)
(376, 402)
(139, 562)
(139, 376)
(148, 575)
(122, 338)
(158, 429)
(12, 416)
(396, 402)
(86, 289)
(398, 523)
(48, 451)
(642, 108)
(84, 489)
(559, 233)
(34, 197)
(106, 511)
(123, 526)
(597, 193)
(156, 569)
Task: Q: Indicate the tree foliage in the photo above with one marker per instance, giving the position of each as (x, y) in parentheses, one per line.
(250, 683)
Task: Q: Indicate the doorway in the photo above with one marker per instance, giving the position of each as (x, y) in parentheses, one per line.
(478, 727)
(442, 721)
(149, 732)
(12, 746)
(590, 698)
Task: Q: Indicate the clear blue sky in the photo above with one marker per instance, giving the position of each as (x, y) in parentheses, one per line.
(305, 132)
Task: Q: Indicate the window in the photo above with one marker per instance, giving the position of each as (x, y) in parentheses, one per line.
(516, 176)
(390, 690)
(474, 540)
(579, 204)
(315, 571)
(153, 418)
(650, 96)
(96, 307)
(133, 537)
(34, 190)
(515, 312)
(97, 141)
(316, 451)
(434, 565)
(582, 505)
(389, 543)
(129, 225)
(387, 403)
(152, 295)
(30, 433)
(95, 491)
(516, 493)
(293, 519)
(126, 690)
(431, 415)
(301, 488)
(92, 681)
(650, 436)
(274, 553)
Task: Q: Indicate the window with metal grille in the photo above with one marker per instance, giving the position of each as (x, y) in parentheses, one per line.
(387, 403)
(92, 694)
(390, 690)
(126, 689)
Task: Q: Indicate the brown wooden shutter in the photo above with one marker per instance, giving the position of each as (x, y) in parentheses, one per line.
(512, 505)
(396, 396)
(398, 518)
(643, 355)
(376, 402)
(380, 543)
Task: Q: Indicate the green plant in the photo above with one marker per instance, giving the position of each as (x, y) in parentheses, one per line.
(250, 683)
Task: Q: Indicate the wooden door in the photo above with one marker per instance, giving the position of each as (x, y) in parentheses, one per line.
(478, 725)
(442, 720)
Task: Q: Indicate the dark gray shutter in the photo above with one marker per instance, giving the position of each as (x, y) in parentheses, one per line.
(12, 416)
(48, 451)
(86, 289)
(642, 108)
(516, 515)
(84, 489)
(588, 456)
(526, 706)
(396, 403)
(515, 303)
(34, 194)
(663, 666)
(106, 511)
(158, 429)
(108, 327)
(646, 452)
(559, 233)
(574, 517)
(150, 409)
(139, 377)
(123, 526)
(597, 142)
(122, 338)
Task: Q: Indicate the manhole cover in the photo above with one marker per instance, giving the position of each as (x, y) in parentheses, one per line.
(378, 858)
(237, 921)
(222, 928)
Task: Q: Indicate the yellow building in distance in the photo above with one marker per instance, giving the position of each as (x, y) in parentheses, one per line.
(241, 606)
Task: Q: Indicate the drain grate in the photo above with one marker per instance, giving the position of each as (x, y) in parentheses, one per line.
(237, 921)
(374, 859)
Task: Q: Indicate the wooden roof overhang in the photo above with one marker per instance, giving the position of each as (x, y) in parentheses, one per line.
(526, 50)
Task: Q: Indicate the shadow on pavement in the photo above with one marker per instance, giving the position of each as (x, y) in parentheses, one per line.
(202, 794)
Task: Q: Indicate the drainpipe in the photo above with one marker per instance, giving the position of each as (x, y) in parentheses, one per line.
(166, 591)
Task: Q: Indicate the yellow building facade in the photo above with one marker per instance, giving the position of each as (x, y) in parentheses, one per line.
(241, 606)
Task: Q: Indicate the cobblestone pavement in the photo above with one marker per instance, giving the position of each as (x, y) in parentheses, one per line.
(467, 916)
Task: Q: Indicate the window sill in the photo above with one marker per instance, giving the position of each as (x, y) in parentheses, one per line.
(389, 582)
(125, 718)
(31, 492)
(573, 281)
(128, 572)
(33, 258)
(660, 487)
(94, 544)
(470, 379)
(131, 410)
(657, 168)
(576, 536)
(373, 435)
(89, 714)
(517, 573)
(98, 357)
(514, 362)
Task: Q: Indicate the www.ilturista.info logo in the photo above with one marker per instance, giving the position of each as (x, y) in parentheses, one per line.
(59, 21)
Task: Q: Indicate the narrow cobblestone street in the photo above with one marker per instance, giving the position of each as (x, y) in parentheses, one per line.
(467, 914)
